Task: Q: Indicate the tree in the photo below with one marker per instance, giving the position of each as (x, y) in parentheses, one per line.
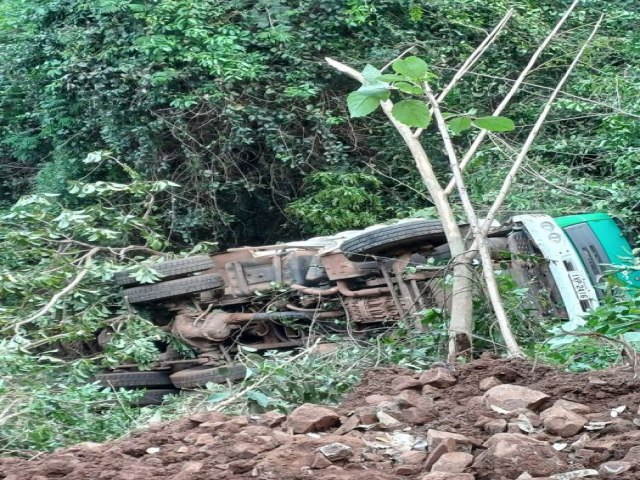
(412, 76)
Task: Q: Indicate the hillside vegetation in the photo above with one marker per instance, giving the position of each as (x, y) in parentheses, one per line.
(135, 128)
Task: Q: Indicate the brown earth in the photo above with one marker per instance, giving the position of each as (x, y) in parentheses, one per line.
(395, 425)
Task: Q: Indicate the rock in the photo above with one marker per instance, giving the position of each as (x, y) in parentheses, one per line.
(204, 439)
(312, 418)
(209, 417)
(572, 475)
(59, 467)
(557, 420)
(415, 399)
(413, 458)
(446, 445)
(153, 450)
(511, 397)
(488, 383)
(320, 461)
(387, 420)
(418, 416)
(407, 470)
(575, 407)
(633, 455)
(497, 425)
(438, 377)
(509, 454)
(336, 451)
(404, 382)
(376, 399)
(183, 449)
(271, 419)
(347, 424)
(454, 462)
(436, 436)
(613, 469)
(448, 476)
(367, 415)
(431, 391)
(192, 467)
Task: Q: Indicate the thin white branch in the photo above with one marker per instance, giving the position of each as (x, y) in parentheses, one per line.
(514, 88)
(506, 186)
(471, 60)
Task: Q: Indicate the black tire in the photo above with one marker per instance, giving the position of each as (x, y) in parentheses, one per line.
(173, 288)
(170, 269)
(152, 378)
(390, 237)
(200, 376)
(155, 396)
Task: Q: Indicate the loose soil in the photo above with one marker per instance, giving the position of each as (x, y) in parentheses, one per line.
(214, 446)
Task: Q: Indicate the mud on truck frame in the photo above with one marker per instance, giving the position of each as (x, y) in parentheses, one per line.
(266, 297)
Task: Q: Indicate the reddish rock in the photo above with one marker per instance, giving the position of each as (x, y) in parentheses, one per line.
(614, 469)
(407, 470)
(209, 417)
(204, 439)
(436, 436)
(454, 462)
(633, 455)
(414, 399)
(367, 415)
(312, 418)
(418, 416)
(413, 457)
(558, 420)
(488, 383)
(192, 467)
(445, 445)
(347, 424)
(494, 426)
(438, 377)
(511, 397)
(320, 461)
(271, 419)
(575, 407)
(510, 454)
(404, 382)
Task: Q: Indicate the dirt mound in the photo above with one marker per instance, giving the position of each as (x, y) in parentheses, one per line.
(492, 419)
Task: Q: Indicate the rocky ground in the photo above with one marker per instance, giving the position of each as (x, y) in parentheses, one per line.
(489, 420)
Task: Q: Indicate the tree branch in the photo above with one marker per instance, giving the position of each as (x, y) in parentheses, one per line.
(514, 89)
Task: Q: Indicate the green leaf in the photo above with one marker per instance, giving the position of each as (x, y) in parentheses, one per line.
(379, 90)
(392, 77)
(370, 73)
(259, 397)
(495, 124)
(459, 124)
(408, 88)
(632, 336)
(412, 67)
(412, 113)
(360, 104)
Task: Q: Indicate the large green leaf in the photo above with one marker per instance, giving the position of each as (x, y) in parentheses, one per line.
(412, 67)
(379, 90)
(495, 124)
(392, 77)
(412, 113)
(370, 73)
(459, 124)
(361, 104)
(408, 88)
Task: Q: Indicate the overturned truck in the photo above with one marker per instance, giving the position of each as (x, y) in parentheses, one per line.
(267, 297)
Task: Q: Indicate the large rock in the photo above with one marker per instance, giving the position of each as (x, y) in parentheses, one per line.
(438, 377)
(453, 462)
(512, 397)
(560, 421)
(312, 418)
(510, 454)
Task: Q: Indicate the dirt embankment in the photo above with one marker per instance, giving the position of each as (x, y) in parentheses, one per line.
(489, 420)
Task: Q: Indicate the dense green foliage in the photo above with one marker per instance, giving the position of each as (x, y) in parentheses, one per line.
(232, 100)
(219, 121)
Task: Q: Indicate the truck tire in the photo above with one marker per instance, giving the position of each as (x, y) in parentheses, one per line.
(173, 288)
(152, 378)
(387, 238)
(170, 269)
(200, 376)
